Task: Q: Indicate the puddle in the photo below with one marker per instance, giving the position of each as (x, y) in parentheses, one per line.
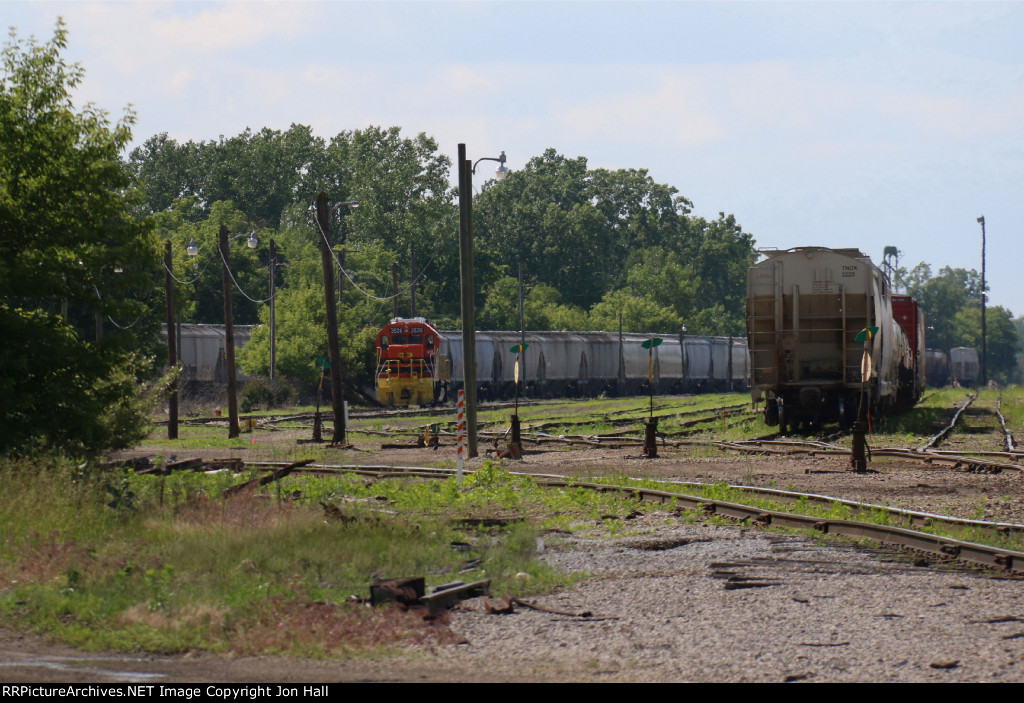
(92, 665)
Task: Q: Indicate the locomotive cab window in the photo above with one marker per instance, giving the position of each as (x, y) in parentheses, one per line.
(415, 339)
(430, 341)
(398, 339)
(384, 341)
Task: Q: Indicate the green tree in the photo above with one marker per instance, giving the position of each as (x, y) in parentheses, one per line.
(638, 314)
(719, 252)
(659, 276)
(587, 232)
(261, 172)
(543, 311)
(942, 297)
(65, 204)
(572, 227)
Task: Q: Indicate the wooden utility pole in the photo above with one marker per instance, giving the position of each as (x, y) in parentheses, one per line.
(229, 336)
(394, 289)
(522, 328)
(412, 279)
(468, 313)
(984, 346)
(323, 218)
(273, 335)
(172, 350)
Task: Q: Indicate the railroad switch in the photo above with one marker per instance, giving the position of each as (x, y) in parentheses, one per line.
(429, 437)
(859, 460)
(651, 438)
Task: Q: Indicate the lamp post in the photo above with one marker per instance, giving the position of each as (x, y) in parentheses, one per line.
(466, 171)
(229, 332)
(172, 349)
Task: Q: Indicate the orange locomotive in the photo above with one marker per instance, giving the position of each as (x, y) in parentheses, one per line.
(407, 362)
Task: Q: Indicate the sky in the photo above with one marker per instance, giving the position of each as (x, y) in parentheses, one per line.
(838, 124)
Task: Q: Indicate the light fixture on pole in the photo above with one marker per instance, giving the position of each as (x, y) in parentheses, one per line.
(500, 172)
(466, 171)
(172, 349)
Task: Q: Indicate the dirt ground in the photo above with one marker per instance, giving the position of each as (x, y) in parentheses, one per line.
(898, 483)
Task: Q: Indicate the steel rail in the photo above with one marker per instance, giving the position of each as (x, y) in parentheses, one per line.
(935, 545)
(948, 428)
(1008, 443)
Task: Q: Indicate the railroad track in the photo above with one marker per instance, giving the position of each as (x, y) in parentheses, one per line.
(927, 452)
(928, 543)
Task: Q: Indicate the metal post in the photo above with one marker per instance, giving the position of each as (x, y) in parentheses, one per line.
(323, 216)
(229, 336)
(172, 351)
(468, 314)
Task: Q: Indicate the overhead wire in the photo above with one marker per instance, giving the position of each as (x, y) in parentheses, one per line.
(235, 281)
(187, 283)
(420, 277)
(112, 320)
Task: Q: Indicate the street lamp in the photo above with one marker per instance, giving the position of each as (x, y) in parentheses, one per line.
(172, 349)
(500, 172)
(466, 171)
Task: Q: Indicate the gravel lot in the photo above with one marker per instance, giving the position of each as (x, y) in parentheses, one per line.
(681, 602)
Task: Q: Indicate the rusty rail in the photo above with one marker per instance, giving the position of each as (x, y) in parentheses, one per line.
(935, 545)
(948, 428)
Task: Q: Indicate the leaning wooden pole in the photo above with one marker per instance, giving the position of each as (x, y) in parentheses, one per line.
(323, 218)
(229, 336)
(468, 313)
(984, 336)
(172, 349)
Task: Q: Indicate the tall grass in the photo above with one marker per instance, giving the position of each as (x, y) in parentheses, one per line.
(166, 564)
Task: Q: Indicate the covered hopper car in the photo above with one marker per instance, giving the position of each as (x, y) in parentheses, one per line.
(419, 364)
(805, 310)
(936, 367)
(964, 365)
(201, 348)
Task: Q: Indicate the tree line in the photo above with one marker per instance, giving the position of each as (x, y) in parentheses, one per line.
(84, 225)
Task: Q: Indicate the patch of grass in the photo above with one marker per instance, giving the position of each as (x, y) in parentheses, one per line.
(167, 564)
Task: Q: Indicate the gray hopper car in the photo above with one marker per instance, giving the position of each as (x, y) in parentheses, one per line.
(201, 350)
(588, 363)
(964, 365)
(936, 367)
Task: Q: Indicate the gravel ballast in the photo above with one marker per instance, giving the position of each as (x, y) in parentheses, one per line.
(730, 604)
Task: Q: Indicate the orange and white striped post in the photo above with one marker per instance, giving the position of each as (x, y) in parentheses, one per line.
(460, 441)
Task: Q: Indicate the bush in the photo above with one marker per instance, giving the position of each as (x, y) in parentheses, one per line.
(255, 393)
